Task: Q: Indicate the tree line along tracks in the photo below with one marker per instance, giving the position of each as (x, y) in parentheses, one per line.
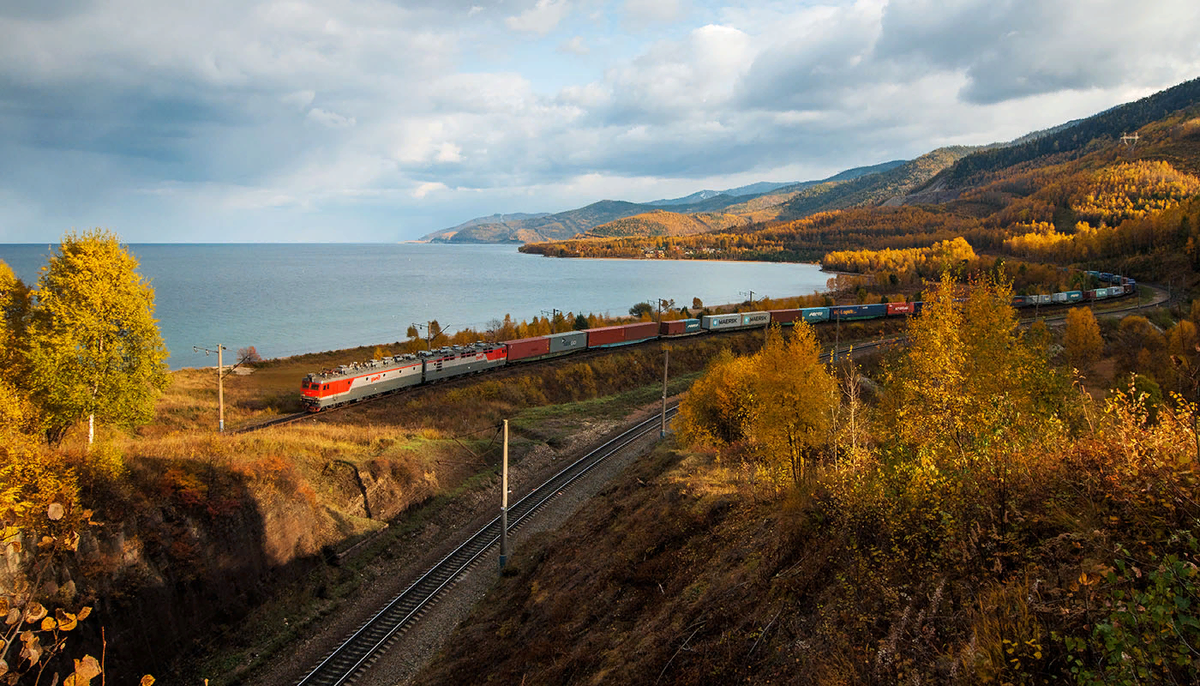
(1159, 294)
(355, 653)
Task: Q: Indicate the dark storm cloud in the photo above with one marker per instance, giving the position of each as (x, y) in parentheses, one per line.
(42, 10)
(1018, 48)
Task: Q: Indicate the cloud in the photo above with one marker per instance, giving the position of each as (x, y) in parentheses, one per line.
(646, 11)
(329, 119)
(428, 187)
(575, 46)
(1021, 48)
(681, 78)
(300, 99)
(541, 19)
(256, 113)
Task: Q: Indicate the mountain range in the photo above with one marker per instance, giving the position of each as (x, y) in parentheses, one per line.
(526, 228)
(936, 176)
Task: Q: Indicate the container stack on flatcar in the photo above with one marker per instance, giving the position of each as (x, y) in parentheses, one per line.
(679, 327)
(351, 383)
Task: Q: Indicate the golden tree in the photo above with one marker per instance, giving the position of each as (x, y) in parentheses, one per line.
(719, 407)
(795, 395)
(1082, 338)
(94, 345)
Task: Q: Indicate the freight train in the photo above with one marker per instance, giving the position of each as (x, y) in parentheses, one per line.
(353, 382)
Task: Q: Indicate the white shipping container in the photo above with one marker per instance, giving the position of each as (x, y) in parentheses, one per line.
(714, 322)
(756, 318)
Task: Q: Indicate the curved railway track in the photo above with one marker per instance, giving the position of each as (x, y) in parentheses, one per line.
(1056, 313)
(344, 663)
(355, 653)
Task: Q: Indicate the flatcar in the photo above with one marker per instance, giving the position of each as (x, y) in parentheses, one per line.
(354, 382)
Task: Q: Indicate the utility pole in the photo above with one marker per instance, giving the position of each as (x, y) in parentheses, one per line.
(662, 431)
(430, 333)
(552, 314)
(751, 298)
(837, 336)
(220, 384)
(504, 502)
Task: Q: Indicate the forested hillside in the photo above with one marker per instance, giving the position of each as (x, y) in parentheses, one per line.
(875, 189)
(1132, 207)
(958, 513)
(1104, 128)
(663, 223)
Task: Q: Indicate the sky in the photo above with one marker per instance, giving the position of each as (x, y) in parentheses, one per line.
(381, 121)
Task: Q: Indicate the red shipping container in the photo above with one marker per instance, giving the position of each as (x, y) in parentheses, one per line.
(640, 331)
(607, 335)
(900, 308)
(673, 327)
(785, 316)
(527, 347)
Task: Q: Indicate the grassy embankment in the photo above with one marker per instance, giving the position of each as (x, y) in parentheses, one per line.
(1079, 566)
(212, 517)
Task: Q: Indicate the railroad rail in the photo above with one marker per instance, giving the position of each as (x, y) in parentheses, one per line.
(344, 663)
(1056, 313)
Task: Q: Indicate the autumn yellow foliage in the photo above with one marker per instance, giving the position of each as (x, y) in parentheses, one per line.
(777, 403)
(1082, 338)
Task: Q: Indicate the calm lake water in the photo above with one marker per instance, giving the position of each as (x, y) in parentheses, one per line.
(287, 299)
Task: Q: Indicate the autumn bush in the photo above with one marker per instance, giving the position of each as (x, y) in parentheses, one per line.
(1055, 536)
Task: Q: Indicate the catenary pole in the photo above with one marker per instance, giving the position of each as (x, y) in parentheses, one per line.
(220, 383)
(662, 431)
(504, 502)
(220, 391)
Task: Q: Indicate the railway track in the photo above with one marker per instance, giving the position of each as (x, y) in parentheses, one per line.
(1056, 313)
(343, 664)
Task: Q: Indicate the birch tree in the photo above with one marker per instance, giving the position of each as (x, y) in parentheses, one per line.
(94, 349)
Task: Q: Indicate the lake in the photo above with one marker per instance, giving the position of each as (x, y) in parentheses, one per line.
(287, 299)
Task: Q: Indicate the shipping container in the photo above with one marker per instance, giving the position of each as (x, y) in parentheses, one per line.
(720, 322)
(757, 319)
(567, 341)
(898, 309)
(1129, 288)
(1106, 277)
(1060, 297)
(851, 312)
(525, 348)
(679, 327)
(640, 331)
(785, 316)
(671, 328)
(1074, 296)
(812, 315)
(1020, 301)
(605, 336)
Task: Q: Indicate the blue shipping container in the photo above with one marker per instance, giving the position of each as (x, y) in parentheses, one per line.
(850, 312)
(815, 314)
